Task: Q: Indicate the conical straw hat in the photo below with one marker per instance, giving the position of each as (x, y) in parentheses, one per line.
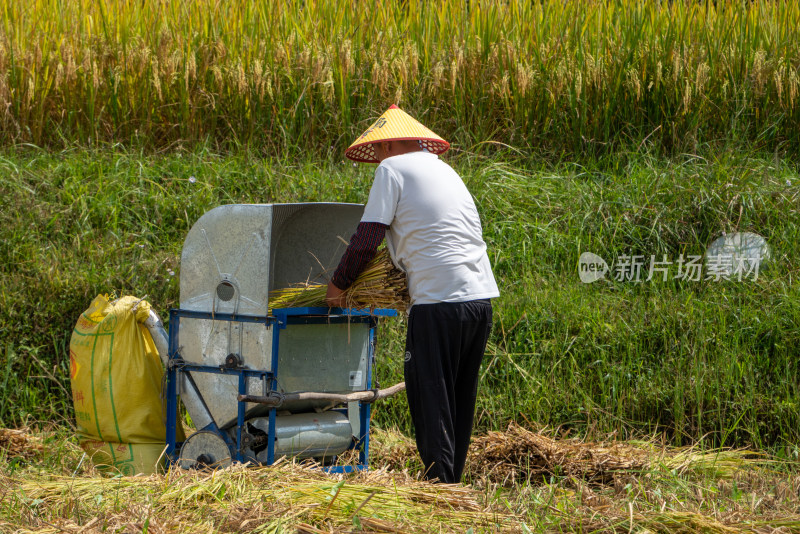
(394, 125)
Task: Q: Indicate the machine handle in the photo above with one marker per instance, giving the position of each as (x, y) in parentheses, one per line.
(363, 396)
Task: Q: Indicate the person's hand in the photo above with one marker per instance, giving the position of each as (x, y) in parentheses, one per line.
(335, 297)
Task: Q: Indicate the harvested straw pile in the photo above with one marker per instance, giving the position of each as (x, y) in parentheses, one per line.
(380, 285)
(286, 497)
(519, 455)
(395, 452)
(19, 444)
(677, 491)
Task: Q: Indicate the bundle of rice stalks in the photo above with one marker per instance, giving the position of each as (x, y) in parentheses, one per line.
(380, 285)
(19, 444)
(718, 463)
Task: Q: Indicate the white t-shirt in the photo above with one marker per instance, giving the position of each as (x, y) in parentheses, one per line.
(435, 232)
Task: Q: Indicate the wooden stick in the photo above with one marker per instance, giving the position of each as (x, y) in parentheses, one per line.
(364, 396)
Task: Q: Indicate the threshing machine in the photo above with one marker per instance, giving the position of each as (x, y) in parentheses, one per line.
(227, 347)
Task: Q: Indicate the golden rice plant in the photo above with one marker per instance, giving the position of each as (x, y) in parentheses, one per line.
(577, 75)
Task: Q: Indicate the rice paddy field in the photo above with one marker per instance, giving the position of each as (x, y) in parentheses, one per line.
(587, 77)
(624, 129)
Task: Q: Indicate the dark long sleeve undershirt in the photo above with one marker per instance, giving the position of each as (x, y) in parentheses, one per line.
(362, 248)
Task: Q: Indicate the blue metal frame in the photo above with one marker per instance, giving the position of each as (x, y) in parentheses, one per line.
(280, 319)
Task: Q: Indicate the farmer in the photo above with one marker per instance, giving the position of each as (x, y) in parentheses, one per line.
(433, 233)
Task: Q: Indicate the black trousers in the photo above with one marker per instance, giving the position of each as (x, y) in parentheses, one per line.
(445, 343)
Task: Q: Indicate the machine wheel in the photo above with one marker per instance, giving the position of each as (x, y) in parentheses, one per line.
(204, 450)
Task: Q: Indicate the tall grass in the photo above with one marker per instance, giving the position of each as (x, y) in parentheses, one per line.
(278, 76)
(690, 359)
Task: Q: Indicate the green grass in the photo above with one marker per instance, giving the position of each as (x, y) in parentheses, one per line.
(693, 360)
(582, 77)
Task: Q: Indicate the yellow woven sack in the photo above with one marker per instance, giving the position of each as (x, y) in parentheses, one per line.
(126, 458)
(116, 374)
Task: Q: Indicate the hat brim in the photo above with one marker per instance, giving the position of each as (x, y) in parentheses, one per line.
(365, 153)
